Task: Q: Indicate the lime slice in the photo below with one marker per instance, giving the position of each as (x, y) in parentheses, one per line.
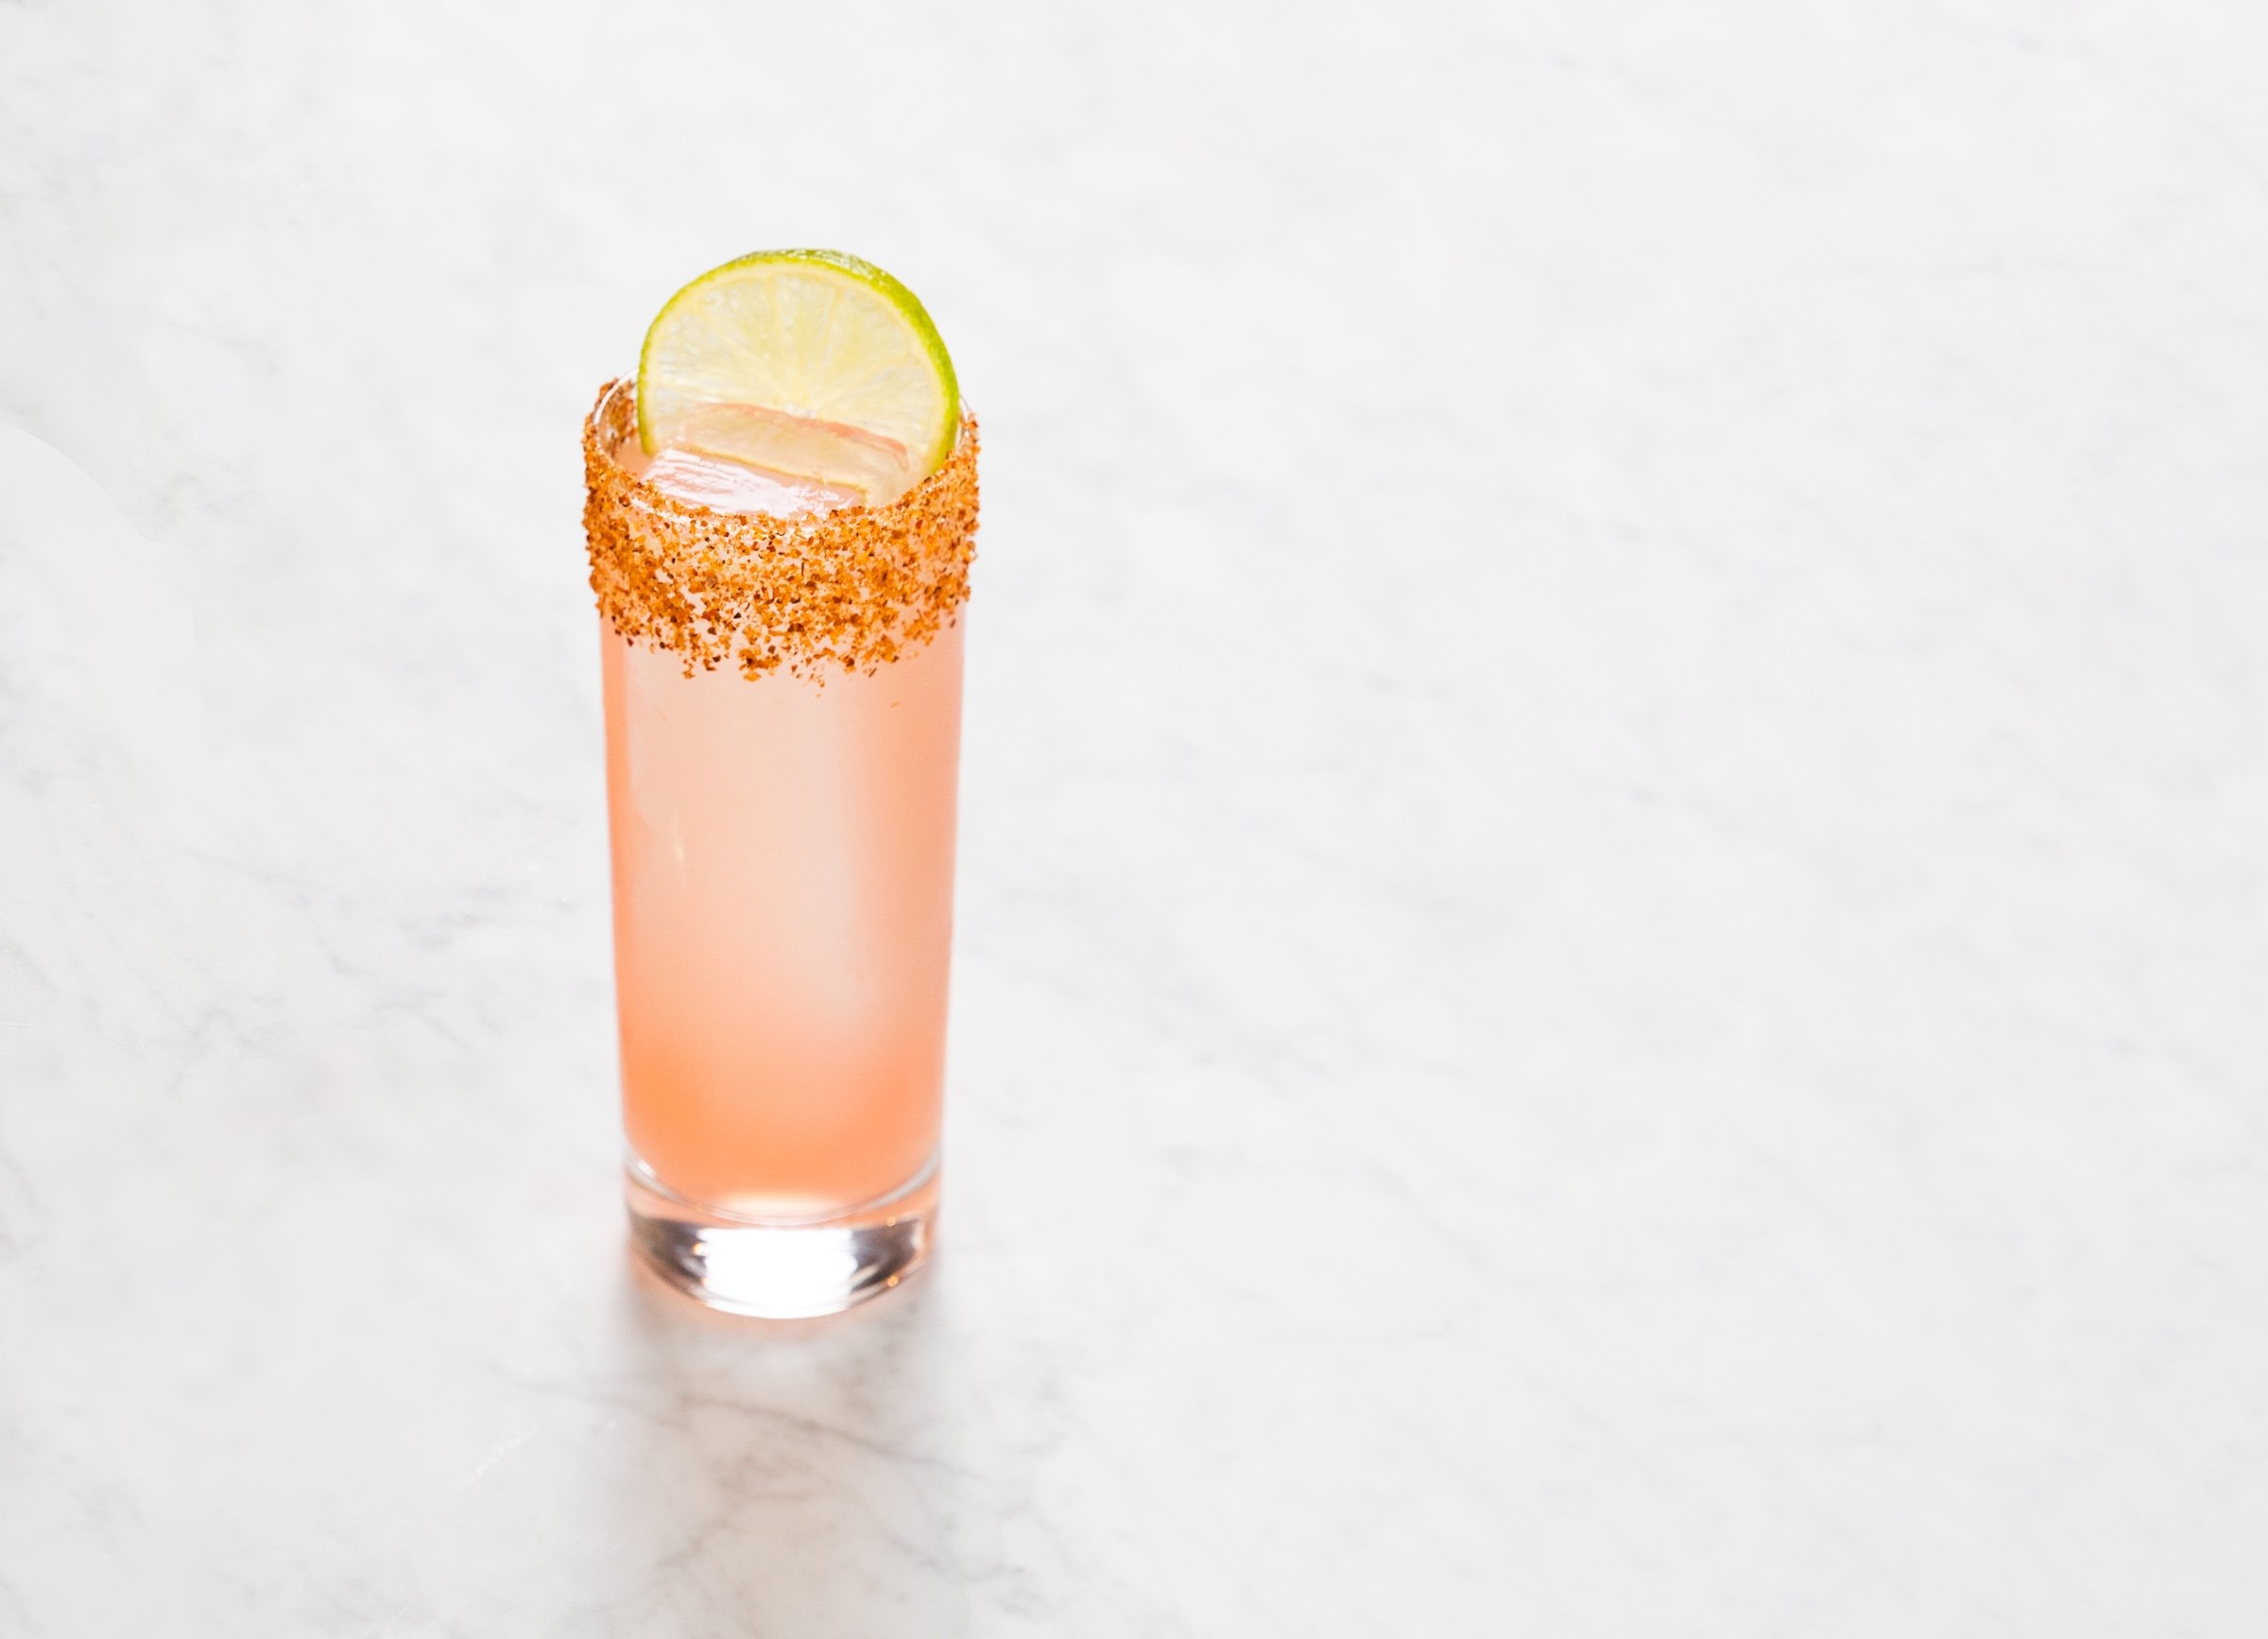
(807, 364)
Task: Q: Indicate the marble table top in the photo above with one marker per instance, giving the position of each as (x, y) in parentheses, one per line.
(1612, 919)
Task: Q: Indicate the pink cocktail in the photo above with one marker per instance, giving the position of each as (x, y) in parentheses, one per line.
(782, 684)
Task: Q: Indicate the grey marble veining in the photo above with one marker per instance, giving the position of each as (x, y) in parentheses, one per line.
(1611, 927)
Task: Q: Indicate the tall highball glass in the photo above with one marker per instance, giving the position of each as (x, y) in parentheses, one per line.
(782, 722)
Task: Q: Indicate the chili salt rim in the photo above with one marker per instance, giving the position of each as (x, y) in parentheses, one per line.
(849, 589)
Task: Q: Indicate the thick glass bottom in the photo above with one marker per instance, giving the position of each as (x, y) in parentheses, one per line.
(788, 1269)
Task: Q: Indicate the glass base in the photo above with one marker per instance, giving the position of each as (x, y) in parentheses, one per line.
(786, 1271)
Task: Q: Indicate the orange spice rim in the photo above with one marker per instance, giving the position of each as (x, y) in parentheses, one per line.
(849, 590)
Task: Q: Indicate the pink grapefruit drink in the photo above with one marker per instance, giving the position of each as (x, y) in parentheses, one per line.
(781, 645)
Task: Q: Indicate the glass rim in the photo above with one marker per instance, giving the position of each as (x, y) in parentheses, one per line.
(847, 590)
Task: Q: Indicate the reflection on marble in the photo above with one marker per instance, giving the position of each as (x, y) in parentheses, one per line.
(1612, 928)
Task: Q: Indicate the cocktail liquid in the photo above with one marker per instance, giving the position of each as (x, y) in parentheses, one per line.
(782, 856)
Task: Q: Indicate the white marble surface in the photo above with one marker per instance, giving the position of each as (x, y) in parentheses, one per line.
(1613, 932)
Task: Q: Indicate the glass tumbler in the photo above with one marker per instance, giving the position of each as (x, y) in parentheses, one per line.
(783, 724)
